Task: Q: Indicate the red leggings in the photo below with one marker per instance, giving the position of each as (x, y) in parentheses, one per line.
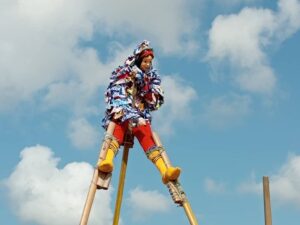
(143, 133)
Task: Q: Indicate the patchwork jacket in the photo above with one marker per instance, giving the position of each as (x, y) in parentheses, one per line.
(132, 94)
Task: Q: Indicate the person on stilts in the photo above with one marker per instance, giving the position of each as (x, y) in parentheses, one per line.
(133, 92)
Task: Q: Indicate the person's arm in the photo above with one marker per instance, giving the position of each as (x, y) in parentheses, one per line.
(153, 93)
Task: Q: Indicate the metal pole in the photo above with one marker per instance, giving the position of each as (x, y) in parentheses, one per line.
(267, 201)
(121, 185)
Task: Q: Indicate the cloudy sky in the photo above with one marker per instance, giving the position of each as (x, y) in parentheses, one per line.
(229, 71)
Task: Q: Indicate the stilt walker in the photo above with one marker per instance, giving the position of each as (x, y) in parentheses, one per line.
(133, 92)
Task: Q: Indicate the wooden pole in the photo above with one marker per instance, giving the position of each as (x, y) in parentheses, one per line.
(89, 200)
(189, 212)
(121, 185)
(93, 186)
(267, 201)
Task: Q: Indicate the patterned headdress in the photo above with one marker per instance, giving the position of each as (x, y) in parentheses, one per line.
(145, 45)
(142, 50)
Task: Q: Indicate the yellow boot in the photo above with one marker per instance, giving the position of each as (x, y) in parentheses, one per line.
(107, 164)
(167, 173)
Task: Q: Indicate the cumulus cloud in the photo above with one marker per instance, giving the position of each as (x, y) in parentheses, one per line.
(226, 110)
(171, 37)
(179, 97)
(37, 45)
(42, 193)
(212, 186)
(284, 185)
(146, 203)
(40, 49)
(288, 18)
(82, 134)
(241, 39)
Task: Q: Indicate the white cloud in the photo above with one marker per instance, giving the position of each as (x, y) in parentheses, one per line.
(42, 193)
(178, 103)
(257, 80)
(37, 46)
(82, 134)
(241, 40)
(212, 186)
(168, 23)
(40, 42)
(88, 75)
(144, 204)
(226, 110)
(288, 18)
(284, 185)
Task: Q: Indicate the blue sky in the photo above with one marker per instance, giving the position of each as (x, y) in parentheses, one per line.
(229, 71)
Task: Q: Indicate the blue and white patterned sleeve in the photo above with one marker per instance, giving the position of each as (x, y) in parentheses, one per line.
(153, 92)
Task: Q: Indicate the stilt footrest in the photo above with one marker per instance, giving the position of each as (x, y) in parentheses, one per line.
(103, 180)
(176, 192)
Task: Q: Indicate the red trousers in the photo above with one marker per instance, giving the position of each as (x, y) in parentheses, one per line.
(143, 133)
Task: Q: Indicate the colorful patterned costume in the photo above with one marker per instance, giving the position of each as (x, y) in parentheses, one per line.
(128, 98)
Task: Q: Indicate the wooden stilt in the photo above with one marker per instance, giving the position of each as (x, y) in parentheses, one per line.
(102, 180)
(267, 201)
(189, 212)
(121, 186)
(175, 188)
(127, 144)
(90, 199)
(98, 178)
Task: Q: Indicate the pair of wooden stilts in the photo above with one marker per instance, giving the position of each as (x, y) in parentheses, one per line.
(102, 180)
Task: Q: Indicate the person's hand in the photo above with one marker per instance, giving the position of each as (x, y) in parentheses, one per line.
(132, 74)
(142, 122)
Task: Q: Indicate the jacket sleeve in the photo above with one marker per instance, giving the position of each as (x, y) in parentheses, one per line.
(152, 91)
(119, 102)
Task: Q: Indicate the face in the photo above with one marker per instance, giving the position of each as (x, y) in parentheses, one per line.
(146, 63)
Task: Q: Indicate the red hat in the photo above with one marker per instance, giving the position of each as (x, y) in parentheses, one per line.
(146, 53)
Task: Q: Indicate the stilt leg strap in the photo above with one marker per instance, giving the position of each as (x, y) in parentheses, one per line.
(153, 155)
(108, 136)
(154, 148)
(161, 149)
(114, 146)
(113, 142)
